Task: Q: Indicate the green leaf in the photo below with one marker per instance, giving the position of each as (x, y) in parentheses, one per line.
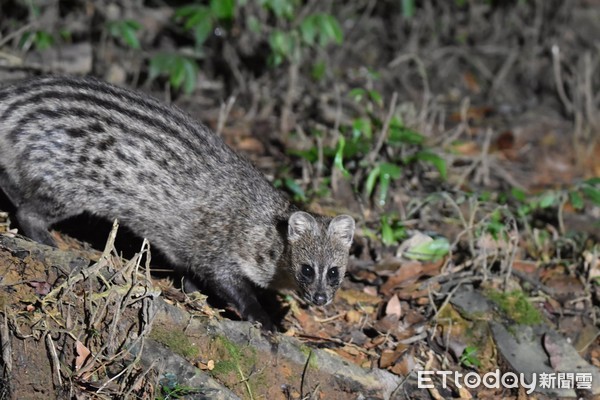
(376, 97)
(548, 199)
(519, 195)
(43, 40)
(129, 37)
(186, 11)
(371, 180)
(202, 31)
(362, 126)
(296, 189)
(338, 161)
(281, 43)
(399, 134)
(190, 75)
(329, 29)
(133, 24)
(125, 30)
(392, 170)
(387, 233)
(281, 8)
(576, 200)
(155, 67)
(177, 73)
(438, 162)
(387, 173)
(494, 227)
(253, 24)
(180, 70)
(592, 193)
(593, 181)
(485, 195)
(308, 30)
(310, 155)
(408, 8)
(222, 9)
(384, 186)
(429, 251)
(197, 15)
(357, 94)
(318, 70)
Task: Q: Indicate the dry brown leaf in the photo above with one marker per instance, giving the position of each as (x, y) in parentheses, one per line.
(376, 341)
(553, 351)
(209, 365)
(527, 267)
(404, 365)
(387, 324)
(406, 274)
(251, 145)
(82, 354)
(471, 82)
(353, 316)
(41, 288)
(353, 296)
(393, 307)
(473, 113)
(464, 393)
(435, 393)
(470, 148)
(388, 357)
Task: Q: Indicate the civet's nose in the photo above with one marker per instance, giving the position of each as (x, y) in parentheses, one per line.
(320, 299)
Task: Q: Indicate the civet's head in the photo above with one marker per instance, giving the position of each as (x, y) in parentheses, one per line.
(319, 254)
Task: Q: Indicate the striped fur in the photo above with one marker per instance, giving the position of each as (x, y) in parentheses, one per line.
(72, 145)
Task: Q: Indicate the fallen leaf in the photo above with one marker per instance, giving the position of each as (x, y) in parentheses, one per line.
(387, 324)
(250, 145)
(388, 357)
(353, 316)
(393, 307)
(209, 365)
(471, 82)
(352, 297)
(553, 350)
(408, 273)
(470, 148)
(525, 266)
(41, 288)
(82, 354)
(423, 247)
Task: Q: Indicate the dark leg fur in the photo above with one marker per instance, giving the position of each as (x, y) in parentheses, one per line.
(34, 226)
(241, 294)
(9, 189)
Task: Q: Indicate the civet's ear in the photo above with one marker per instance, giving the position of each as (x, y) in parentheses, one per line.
(342, 227)
(301, 223)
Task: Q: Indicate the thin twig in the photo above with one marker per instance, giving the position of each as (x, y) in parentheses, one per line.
(18, 32)
(559, 81)
(304, 374)
(384, 130)
(224, 112)
(54, 359)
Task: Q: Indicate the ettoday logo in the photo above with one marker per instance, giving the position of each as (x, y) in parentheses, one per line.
(495, 380)
(472, 380)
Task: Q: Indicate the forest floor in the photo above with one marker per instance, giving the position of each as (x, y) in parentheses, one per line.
(470, 159)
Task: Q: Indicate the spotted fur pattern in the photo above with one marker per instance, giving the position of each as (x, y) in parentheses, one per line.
(73, 145)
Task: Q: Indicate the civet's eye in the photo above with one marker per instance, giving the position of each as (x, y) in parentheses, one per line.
(333, 273)
(308, 271)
